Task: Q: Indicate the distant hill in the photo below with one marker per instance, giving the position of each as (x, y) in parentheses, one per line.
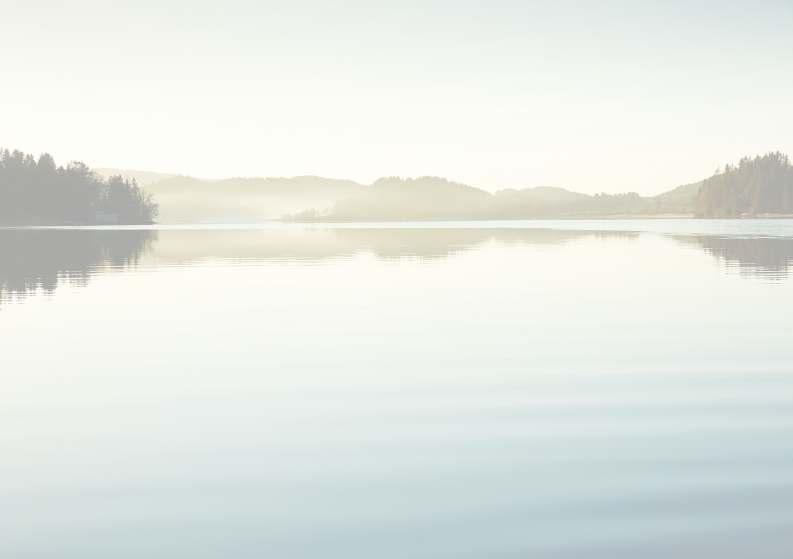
(679, 200)
(184, 199)
(763, 185)
(422, 198)
(558, 202)
(437, 198)
(533, 202)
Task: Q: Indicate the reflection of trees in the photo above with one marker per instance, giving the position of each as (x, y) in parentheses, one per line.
(32, 260)
(762, 256)
(38, 259)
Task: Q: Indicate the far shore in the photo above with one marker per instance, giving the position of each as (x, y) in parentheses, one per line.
(331, 221)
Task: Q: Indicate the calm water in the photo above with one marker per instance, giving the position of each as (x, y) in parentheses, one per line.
(547, 389)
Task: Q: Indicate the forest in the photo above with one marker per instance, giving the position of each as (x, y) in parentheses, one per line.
(757, 186)
(39, 192)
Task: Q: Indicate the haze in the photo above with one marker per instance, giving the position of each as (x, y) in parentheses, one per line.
(606, 96)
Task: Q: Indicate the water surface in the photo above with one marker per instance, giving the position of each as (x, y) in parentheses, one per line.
(545, 389)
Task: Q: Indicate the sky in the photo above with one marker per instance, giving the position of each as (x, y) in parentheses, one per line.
(593, 96)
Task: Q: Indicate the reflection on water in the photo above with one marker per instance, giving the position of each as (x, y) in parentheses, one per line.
(321, 244)
(38, 259)
(769, 257)
(34, 260)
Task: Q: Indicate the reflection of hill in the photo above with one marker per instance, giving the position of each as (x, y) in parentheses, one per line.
(764, 256)
(317, 244)
(439, 243)
(38, 259)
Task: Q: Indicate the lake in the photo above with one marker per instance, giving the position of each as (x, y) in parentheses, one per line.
(594, 389)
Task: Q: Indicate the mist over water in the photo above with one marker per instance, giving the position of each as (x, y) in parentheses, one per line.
(557, 389)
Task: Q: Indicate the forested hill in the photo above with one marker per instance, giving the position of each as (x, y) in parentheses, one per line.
(38, 192)
(427, 198)
(755, 187)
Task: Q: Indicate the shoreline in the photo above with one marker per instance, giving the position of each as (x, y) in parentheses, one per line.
(611, 217)
(388, 222)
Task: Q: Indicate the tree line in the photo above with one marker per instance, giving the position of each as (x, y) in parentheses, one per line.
(756, 186)
(39, 192)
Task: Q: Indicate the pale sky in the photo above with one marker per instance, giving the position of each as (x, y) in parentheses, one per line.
(593, 96)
